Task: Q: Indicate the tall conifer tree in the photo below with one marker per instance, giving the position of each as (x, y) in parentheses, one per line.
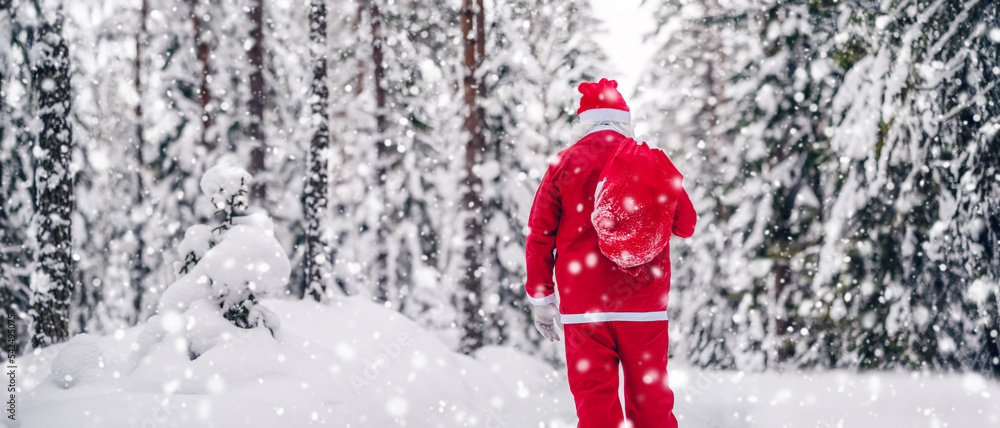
(52, 285)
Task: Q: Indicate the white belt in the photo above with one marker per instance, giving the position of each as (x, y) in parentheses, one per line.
(612, 316)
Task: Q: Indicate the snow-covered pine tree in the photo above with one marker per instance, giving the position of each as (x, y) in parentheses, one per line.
(786, 123)
(958, 272)
(421, 128)
(870, 284)
(419, 138)
(316, 193)
(288, 76)
(52, 284)
(972, 129)
(239, 93)
(345, 73)
(173, 151)
(692, 95)
(111, 206)
(240, 259)
(221, 37)
(190, 120)
(224, 272)
(855, 336)
(17, 245)
(918, 228)
(746, 90)
(537, 53)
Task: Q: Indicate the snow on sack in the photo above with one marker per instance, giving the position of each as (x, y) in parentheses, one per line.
(634, 204)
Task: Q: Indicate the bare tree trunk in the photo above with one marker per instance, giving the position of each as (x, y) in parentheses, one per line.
(258, 99)
(139, 270)
(140, 36)
(713, 84)
(53, 285)
(473, 320)
(360, 80)
(480, 46)
(381, 170)
(316, 261)
(203, 48)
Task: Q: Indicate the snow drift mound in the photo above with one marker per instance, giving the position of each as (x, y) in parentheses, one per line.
(350, 363)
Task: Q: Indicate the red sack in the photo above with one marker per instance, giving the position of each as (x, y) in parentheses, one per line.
(634, 204)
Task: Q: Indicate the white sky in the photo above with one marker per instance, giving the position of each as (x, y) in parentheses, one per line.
(625, 23)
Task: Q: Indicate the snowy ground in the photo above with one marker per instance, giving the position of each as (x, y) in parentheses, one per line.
(350, 364)
(834, 400)
(357, 364)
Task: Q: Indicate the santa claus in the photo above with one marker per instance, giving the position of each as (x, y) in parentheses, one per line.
(600, 228)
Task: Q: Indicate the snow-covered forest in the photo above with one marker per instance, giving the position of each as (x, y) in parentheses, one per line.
(845, 160)
(352, 118)
(843, 157)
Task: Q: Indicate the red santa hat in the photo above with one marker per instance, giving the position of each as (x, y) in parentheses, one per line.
(602, 102)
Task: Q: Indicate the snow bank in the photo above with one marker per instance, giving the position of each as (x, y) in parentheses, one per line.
(354, 363)
(351, 363)
(833, 399)
(79, 362)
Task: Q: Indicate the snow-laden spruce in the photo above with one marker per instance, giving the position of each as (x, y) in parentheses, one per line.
(225, 271)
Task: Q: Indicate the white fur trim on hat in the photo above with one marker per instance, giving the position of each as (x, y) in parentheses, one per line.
(603, 114)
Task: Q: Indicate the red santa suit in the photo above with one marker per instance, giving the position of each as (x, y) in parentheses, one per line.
(610, 316)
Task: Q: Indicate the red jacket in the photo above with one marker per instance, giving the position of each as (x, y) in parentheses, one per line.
(562, 239)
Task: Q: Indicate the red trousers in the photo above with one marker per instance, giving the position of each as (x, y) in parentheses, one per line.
(593, 351)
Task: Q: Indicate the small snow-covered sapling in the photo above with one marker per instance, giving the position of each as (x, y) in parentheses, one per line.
(239, 259)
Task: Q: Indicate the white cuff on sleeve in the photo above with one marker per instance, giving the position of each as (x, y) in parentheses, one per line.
(547, 300)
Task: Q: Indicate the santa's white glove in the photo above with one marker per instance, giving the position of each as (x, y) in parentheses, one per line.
(546, 318)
